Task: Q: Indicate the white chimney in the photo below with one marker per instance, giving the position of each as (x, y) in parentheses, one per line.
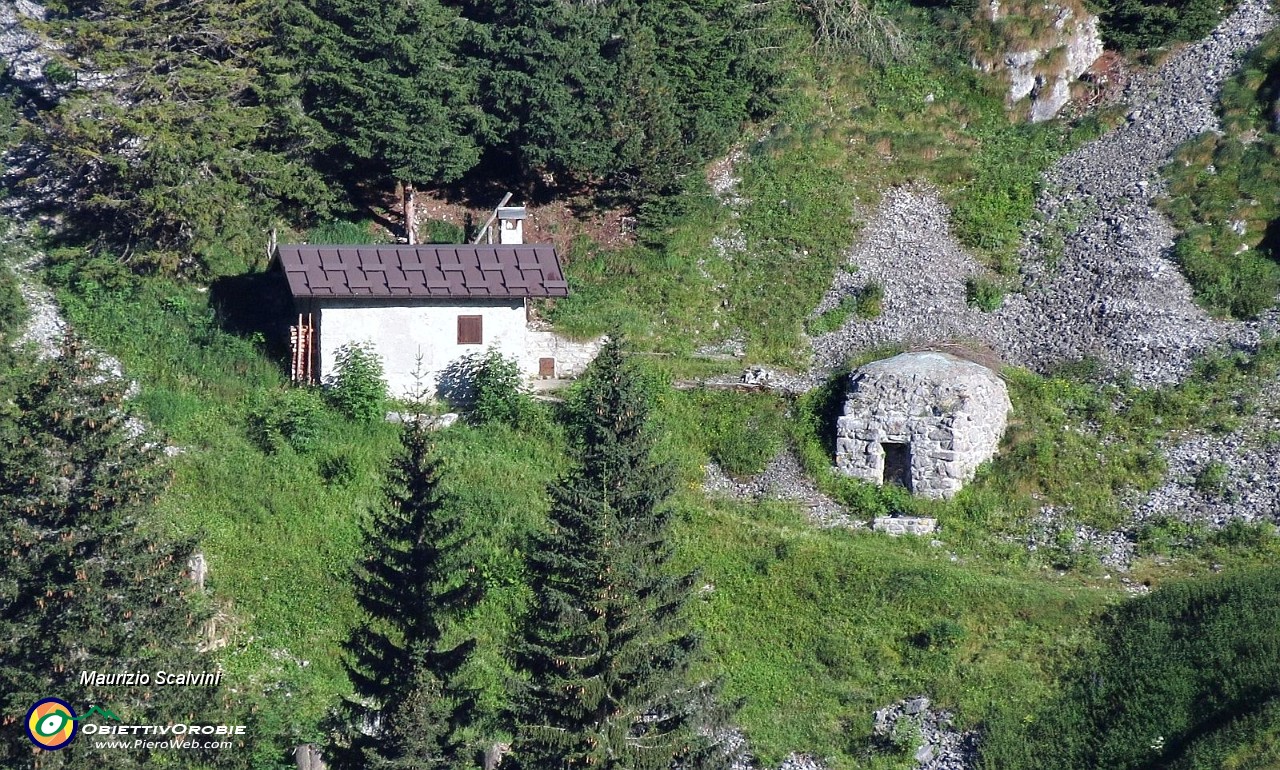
(511, 225)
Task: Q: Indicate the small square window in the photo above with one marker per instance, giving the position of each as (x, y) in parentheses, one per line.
(470, 330)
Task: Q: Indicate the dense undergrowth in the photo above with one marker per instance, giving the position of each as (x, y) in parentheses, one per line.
(1222, 194)
(12, 310)
(1184, 678)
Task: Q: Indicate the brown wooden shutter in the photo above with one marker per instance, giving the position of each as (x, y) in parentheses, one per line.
(470, 330)
(546, 368)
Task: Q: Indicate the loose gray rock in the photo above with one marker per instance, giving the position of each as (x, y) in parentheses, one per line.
(1216, 480)
(1073, 44)
(1103, 285)
(24, 53)
(905, 525)
(782, 479)
(941, 746)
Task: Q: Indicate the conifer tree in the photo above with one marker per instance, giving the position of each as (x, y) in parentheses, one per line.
(551, 84)
(87, 582)
(177, 137)
(385, 81)
(420, 729)
(410, 709)
(629, 96)
(606, 649)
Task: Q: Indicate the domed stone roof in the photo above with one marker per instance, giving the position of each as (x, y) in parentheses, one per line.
(923, 420)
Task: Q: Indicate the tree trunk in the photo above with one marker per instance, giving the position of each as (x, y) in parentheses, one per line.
(308, 757)
(410, 214)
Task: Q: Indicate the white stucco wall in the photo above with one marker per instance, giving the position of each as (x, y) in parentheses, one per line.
(399, 331)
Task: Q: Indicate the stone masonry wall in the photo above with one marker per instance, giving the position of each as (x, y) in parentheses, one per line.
(571, 356)
(951, 413)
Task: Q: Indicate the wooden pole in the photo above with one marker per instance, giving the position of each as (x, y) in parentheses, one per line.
(489, 222)
(311, 349)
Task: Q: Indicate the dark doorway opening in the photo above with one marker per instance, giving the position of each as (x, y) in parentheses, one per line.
(897, 464)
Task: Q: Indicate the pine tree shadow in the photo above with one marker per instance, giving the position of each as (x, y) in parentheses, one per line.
(255, 305)
(1270, 244)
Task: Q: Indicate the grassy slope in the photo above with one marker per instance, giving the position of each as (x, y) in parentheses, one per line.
(281, 540)
(816, 629)
(1183, 678)
(813, 629)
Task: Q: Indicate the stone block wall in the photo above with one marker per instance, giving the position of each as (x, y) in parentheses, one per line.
(571, 356)
(904, 525)
(950, 412)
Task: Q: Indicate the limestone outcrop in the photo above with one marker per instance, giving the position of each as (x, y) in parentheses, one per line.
(923, 420)
(25, 54)
(1038, 66)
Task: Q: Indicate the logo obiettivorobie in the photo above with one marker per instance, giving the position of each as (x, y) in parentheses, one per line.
(52, 724)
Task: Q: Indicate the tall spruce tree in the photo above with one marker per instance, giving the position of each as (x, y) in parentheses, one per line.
(385, 80)
(410, 709)
(87, 581)
(606, 648)
(551, 84)
(177, 139)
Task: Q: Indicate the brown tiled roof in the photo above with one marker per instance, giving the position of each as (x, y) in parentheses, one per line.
(423, 271)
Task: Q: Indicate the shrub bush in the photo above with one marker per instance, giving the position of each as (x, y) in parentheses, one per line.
(496, 380)
(905, 737)
(1245, 535)
(1167, 535)
(12, 309)
(357, 387)
(338, 471)
(488, 386)
(288, 418)
(983, 294)
(1212, 478)
(869, 299)
(1132, 25)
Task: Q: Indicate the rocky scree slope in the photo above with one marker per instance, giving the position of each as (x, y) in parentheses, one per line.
(1112, 291)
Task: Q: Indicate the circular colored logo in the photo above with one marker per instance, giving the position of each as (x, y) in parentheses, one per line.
(51, 724)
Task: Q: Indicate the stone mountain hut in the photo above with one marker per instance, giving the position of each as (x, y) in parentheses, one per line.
(436, 302)
(925, 421)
